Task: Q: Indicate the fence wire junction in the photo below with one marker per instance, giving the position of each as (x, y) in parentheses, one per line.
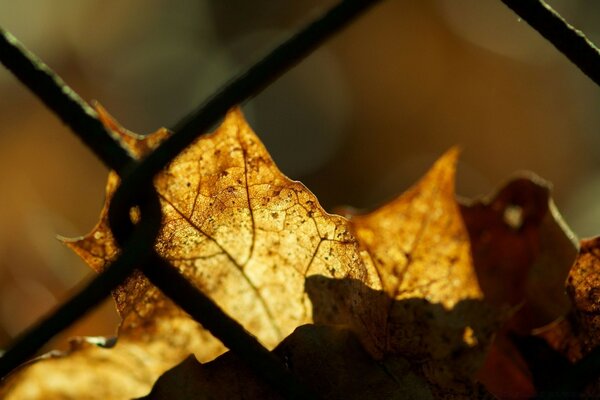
(136, 189)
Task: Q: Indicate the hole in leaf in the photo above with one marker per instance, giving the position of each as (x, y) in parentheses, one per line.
(134, 214)
(513, 216)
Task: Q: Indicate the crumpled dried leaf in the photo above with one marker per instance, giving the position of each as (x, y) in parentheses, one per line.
(522, 252)
(259, 244)
(578, 332)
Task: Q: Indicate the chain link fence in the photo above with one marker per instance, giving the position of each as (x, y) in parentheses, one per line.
(136, 190)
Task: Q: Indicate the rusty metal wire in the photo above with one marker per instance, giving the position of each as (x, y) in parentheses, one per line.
(136, 188)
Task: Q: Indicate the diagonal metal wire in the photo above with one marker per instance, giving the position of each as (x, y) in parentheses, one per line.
(586, 56)
(27, 344)
(249, 83)
(77, 114)
(233, 335)
(63, 101)
(137, 176)
(566, 38)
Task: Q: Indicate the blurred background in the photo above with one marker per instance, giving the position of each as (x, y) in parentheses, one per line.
(358, 121)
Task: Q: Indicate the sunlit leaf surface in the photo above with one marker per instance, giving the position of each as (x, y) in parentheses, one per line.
(401, 278)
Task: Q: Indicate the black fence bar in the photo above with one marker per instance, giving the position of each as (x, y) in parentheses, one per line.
(28, 343)
(62, 100)
(77, 114)
(248, 84)
(586, 56)
(137, 176)
(233, 335)
(568, 40)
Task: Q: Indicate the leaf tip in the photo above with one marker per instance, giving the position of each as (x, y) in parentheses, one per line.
(443, 171)
(449, 159)
(235, 117)
(109, 121)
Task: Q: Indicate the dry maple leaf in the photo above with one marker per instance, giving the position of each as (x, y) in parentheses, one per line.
(522, 251)
(421, 252)
(262, 248)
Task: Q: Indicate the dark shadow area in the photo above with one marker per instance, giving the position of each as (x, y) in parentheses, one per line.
(444, 346)
(329, 360)
(413, 327)
(547, 366)
(362, 345)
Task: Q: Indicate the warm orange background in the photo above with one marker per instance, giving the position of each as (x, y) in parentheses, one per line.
(357, 122)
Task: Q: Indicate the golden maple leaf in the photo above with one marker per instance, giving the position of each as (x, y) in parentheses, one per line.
(264, 250)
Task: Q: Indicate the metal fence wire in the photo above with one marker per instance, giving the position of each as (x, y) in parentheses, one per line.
(136, 189)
